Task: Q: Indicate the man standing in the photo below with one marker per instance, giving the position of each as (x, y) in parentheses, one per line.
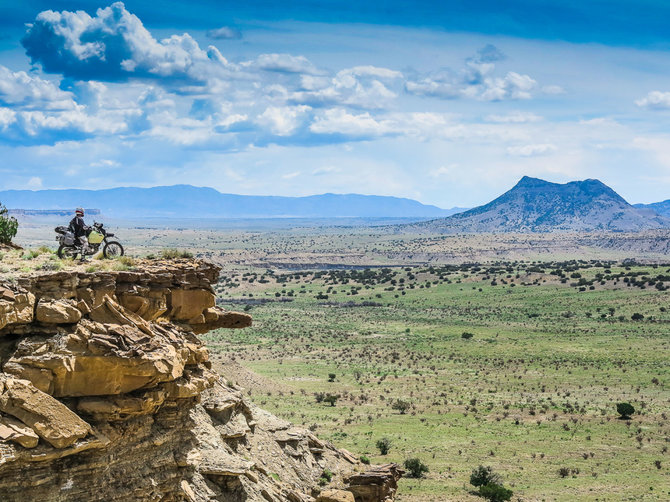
(80, 230)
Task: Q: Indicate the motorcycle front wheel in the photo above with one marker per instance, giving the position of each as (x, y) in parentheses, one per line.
(67, 252)
(112, 249)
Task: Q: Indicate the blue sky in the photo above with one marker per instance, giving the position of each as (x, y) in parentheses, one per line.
(447, 104)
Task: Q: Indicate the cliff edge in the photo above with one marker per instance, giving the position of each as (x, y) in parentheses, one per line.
(106, 393)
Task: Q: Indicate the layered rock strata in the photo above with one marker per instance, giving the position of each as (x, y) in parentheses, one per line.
(106, 393)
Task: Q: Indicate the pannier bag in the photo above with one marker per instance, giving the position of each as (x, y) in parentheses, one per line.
(68, 238)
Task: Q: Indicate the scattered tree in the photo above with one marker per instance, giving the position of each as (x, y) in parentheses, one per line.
(625, 410)
(489, 484)
(401, 406)
(331, 399)
(415, 468)
(384, 445)
(8, 226)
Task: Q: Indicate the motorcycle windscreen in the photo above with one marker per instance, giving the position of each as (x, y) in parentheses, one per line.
(95, 237)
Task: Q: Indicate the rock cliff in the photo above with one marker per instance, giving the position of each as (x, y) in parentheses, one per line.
(106, 393)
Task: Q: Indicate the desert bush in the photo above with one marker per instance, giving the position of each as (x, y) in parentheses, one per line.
(171, 254)
(415, 468)
(637, 316)
(384, 445)
(326, 477)
(466, 336)
(401, 406)
(484, 476)
(625, 410)
(8, 226)
(495, 493)
(331, 399)
(365, 460)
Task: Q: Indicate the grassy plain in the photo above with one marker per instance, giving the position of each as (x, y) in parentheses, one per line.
(533, 391)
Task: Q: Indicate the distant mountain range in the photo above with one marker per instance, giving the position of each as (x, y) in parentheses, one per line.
(535, 205)
(662, 208)
(186, 201)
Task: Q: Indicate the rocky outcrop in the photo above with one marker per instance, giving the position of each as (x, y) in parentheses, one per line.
(106, 393)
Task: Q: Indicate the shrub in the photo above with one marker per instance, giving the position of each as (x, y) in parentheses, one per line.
(401, 406)
(171, 254)
(384, 445)
(415, 467)
(8, 226)
(331, 377)
(331, 399)
(625, 410)
(466, 336)
(365, 460)
(484, 476)
(495, 492)
(637, 316)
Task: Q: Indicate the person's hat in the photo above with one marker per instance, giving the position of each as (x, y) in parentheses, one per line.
(79, 211)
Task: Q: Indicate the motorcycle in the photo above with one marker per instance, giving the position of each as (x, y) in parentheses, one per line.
(70, 247)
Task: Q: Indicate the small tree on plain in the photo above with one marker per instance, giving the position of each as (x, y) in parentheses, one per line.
(415, 467)
(401, 406)
(625, 410)
(8, 226)
(384, 445)
(331, 399)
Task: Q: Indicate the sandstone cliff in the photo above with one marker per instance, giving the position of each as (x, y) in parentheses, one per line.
(106, 393)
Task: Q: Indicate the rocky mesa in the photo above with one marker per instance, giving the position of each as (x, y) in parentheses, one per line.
(106, 393)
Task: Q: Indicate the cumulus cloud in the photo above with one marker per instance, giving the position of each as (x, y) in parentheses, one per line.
(282, 121)
(477, 80)
(655, 100)
(225, 33)
(532, 150)
(284, 63)
(114, 45)
(360, 87)
(20, 90)
(339, 121)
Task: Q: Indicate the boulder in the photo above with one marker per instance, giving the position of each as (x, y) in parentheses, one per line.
(335, 496)
(13, 430)
(50, 419)
(57, 312)
(377, 484)
(215, 318)
(96, 360)
(16, 308)
(189, 304)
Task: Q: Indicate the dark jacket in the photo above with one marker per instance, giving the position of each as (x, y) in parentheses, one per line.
(78, 226)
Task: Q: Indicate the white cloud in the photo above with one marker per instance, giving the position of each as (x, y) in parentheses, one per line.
(514, 118)
(290, 176)
(532, 150)
(114, 45)
(553, 90)
(225, 33)
(35, 182)
(360, 87)
(339, 121)
(475, 81)
(284, 63)
(282, 121)
(655, 100)
(20, 90)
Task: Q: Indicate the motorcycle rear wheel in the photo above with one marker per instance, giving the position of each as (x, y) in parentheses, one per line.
(67, 252)
(112, 249)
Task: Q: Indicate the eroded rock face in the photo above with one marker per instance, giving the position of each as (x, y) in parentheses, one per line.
(107, 394)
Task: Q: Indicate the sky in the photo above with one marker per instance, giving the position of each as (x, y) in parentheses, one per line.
(448, 103)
